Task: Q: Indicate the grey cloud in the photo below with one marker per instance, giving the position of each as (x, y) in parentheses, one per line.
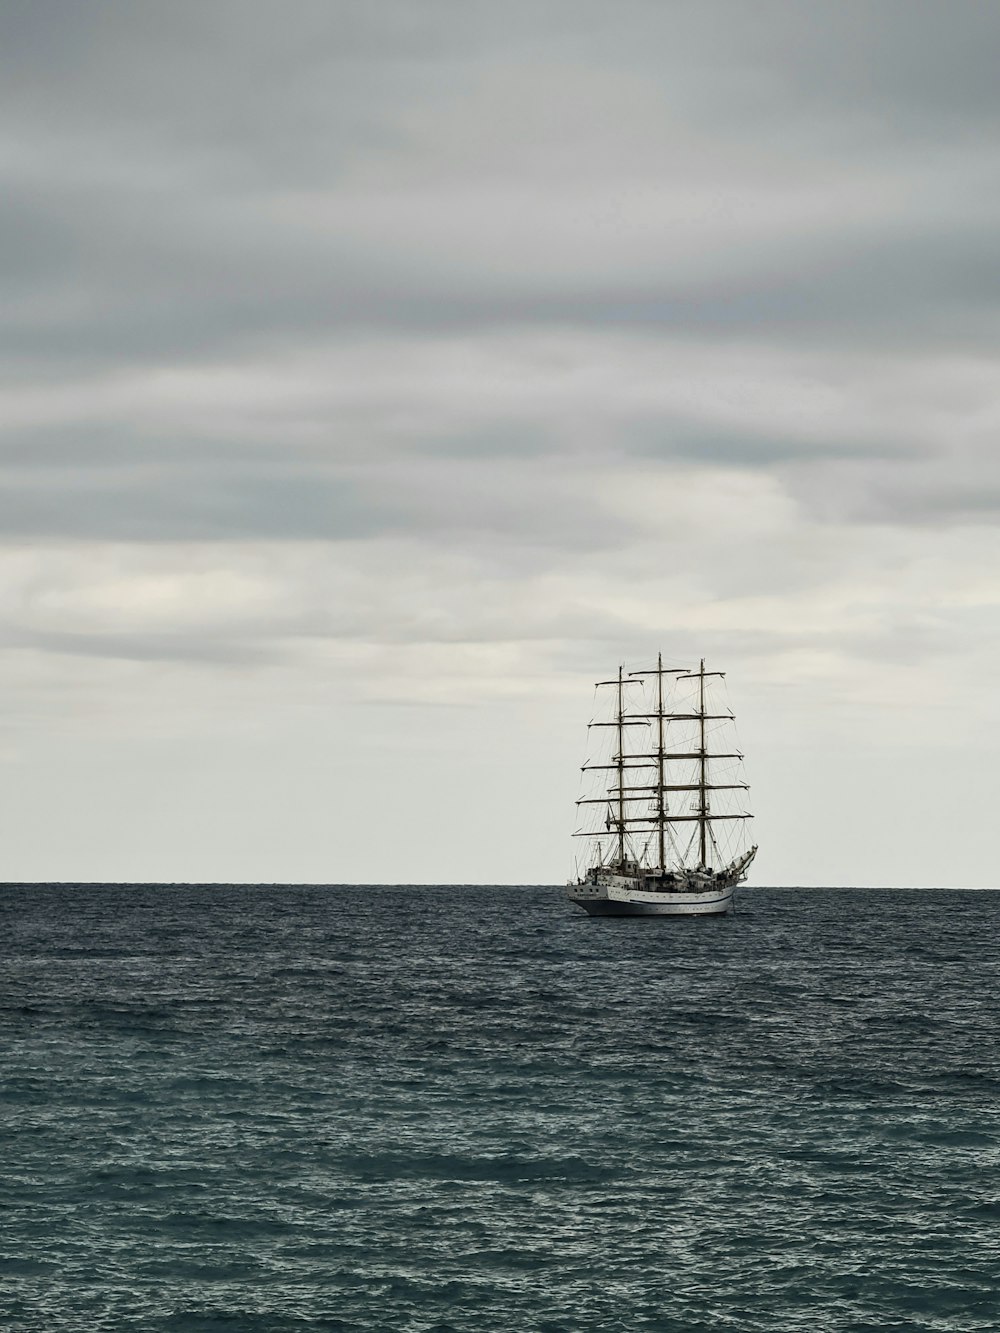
(225, 649)
(209, 186)
(150, 218)
(693, 442)
(508, 484)
(907, 61)
(148, 494)
(251, 68)
(959, 491)
(196, 506)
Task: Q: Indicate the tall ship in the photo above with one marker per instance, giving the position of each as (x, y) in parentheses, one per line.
(663, 814)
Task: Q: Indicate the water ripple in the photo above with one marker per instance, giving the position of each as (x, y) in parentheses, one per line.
(271, 1109)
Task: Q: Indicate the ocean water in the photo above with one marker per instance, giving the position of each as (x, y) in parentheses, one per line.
(303, 1108)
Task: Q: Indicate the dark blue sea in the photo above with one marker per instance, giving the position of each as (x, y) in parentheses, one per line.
(305, 1108)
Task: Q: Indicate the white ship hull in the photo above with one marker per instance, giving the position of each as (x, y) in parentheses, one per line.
(621, 895)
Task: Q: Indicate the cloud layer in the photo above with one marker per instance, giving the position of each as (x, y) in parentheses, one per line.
(388, 358)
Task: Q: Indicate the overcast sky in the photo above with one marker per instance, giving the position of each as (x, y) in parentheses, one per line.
(376, 376)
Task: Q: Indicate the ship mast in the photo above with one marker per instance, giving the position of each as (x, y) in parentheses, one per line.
(702, 768)
(661, 813)
(703, 815)
(621, 774)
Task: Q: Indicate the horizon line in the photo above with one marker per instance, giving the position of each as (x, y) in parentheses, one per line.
(450, 884)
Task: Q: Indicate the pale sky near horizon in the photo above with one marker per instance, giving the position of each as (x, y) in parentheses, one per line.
(377, 376)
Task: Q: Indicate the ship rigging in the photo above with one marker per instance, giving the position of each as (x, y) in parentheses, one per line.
(640, 862)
